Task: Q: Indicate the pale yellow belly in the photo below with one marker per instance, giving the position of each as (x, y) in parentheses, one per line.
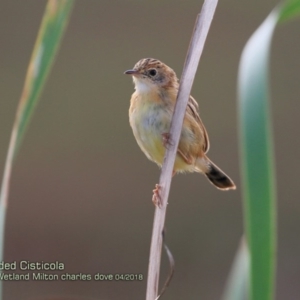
(148, 123)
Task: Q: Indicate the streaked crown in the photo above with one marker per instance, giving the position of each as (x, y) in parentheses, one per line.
(153, 71)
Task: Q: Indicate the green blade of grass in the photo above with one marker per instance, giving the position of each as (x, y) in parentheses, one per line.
(257, 160)
(48, 40)
(290, 10)
(52, 27)
(256, 144)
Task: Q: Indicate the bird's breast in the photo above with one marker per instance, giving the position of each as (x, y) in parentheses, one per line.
(149, 119)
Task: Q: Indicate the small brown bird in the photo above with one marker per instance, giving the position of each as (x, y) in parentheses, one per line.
(150, 113)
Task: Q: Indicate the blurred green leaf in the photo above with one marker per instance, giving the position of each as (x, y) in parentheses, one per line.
(52, 27)
(257, 158)
(54, 21)
(290, 10)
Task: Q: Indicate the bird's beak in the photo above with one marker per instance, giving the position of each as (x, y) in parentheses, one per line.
(131, 72)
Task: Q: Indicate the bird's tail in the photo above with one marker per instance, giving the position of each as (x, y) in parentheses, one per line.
(216, 176)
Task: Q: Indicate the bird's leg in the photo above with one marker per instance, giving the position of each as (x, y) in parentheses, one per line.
(156, 199)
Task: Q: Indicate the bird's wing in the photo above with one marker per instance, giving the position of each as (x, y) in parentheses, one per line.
(194, 140)
(193, 110)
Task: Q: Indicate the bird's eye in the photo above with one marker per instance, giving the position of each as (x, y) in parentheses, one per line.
(152, 72)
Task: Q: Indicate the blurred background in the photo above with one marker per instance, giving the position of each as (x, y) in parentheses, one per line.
(81, 187)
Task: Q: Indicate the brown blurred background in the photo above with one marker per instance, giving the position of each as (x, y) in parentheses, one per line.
(81, 188)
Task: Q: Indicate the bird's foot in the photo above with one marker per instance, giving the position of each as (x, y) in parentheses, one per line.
(156, 196)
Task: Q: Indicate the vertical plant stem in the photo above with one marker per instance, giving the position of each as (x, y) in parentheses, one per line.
(202, 26)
